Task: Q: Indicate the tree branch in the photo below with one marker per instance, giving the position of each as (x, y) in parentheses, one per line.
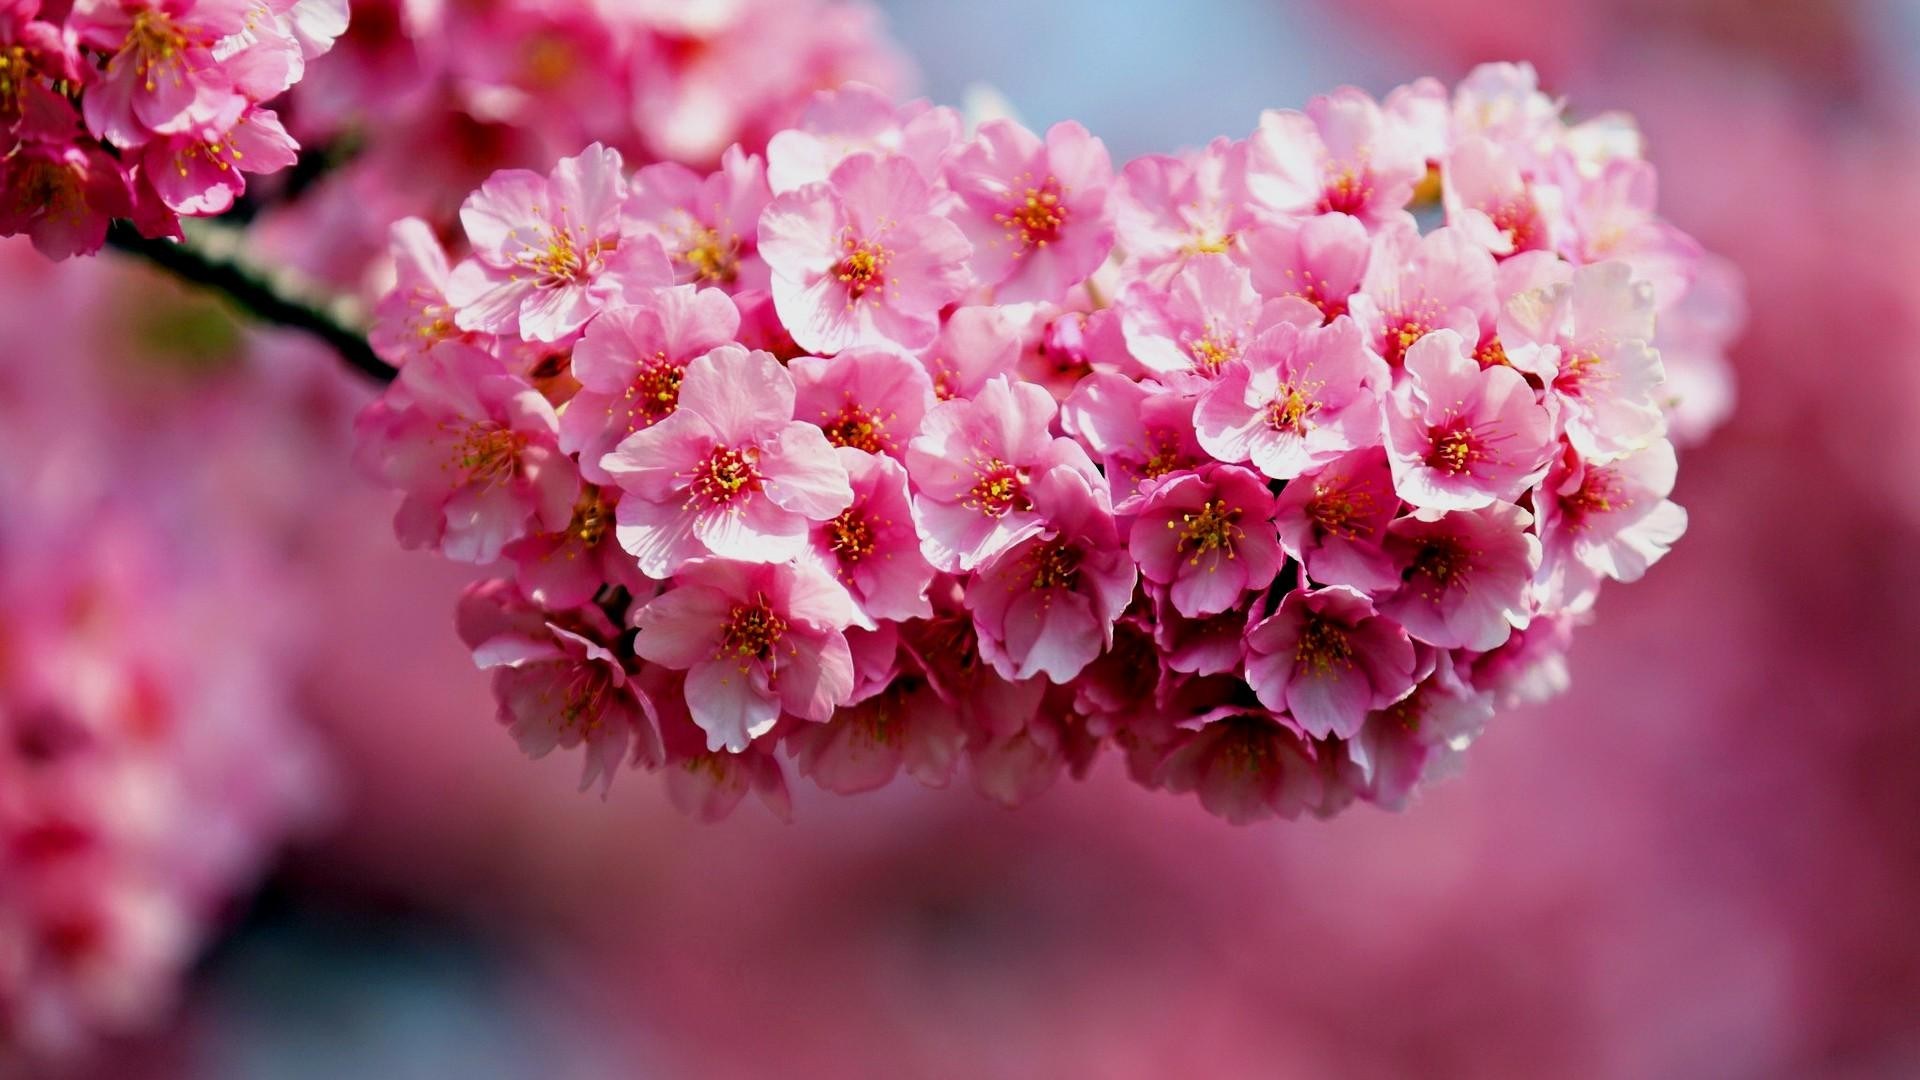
(252, 293)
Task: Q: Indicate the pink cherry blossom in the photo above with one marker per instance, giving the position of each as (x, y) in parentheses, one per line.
(1490, 199)
(414, 315)
(704, 784)
(1202, 321)
(1334, 520)
(474, 448)
(1245, 768)
(871, 547)
(39, 57)
(62, 197)
(973, 465)
(550, 252)
(1461, 436)
(1214, 645)
(865, 746)
(946, 649)
(1209, 537)
(1611, 216)
(200, 172)
(867, 398)
(859, 259)
(1046, 606)
(755, 640)
(975, 344)
(1299, 398)
(630, 364)
(1342, 155)
(1311, 266)
(730, 472)
(163, 75)
(557, 686)
(1141, 432)
(1018, 768)
(1414, 738)
(1605, 519)
(707, 224)
(568, 568)
(1692, 338)
(1328, 659)
(1036, 211)
(1503, 102)
(1588, 339)
(1464, 575)
(855, 119)
(1171, 210)
(1417, 284)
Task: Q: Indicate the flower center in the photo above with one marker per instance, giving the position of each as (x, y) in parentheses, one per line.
(858, 428)
(753, 629)
(850, 535)
(15, 74)
(592, 517)
(1347, 191)
(156, 45)
(1204, 243)
(1492, 353)
(711, 259)
(1336, 509)
(726, 475)
(1211, 354)
(1517, 219)
(1320, 295)
(1401, 336)
(1454, 448)
(1600, 493)
(1408, 711)
(566, 259)
(53, 187)
(1166, 456)
(863, 268)
(1322, 647)
(1247, 750)
(944, 375)
(583, 699)
(656, 389)
(488, 453)
(1578, 372)
(1214, 527)
(1000, 488)
(881, 720)
(1055, 566)
(1441, 562)
(1290, 410)
(1036, 220)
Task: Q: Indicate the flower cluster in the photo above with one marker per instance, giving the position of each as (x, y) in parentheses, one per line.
(1277, 466)
(421, 102)
(151, 110)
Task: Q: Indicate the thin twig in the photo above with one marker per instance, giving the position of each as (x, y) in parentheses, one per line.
(253, 294)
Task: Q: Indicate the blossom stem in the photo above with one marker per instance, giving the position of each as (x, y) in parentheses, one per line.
(254, 294)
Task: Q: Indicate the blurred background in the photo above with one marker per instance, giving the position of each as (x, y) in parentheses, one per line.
(1700, 862)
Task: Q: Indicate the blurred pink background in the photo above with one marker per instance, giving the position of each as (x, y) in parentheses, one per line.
(1700, 862)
